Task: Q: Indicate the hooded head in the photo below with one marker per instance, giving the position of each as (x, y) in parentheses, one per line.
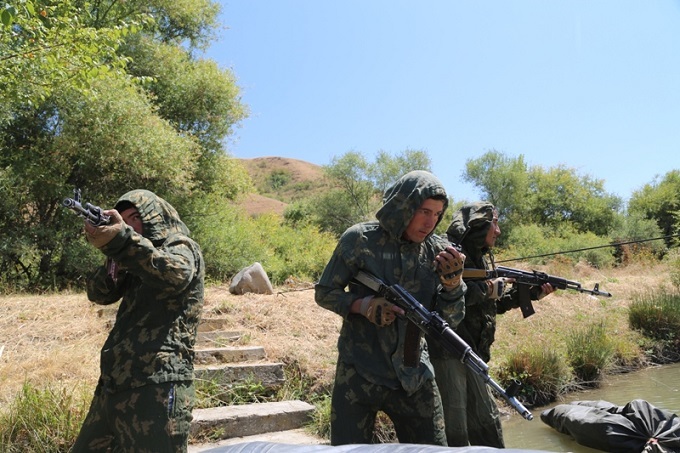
(159, 218)
(402, 199)
(471, 224)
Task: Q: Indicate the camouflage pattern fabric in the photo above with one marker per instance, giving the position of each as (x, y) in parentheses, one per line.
(377, 247)
(417, 418)
(470, 411)
(148, 419)
(161, 282)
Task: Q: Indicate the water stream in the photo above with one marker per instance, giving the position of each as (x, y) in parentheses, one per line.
(659, 386)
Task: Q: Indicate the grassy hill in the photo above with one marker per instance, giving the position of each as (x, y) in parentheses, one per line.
(280, 181)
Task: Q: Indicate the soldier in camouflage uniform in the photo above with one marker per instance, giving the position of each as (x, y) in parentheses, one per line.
(470, 410)
(383, 362)
(145, 394)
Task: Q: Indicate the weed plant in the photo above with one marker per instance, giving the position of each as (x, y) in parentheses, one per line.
(657, 316)
(590, 353)
(43, 420)
(543, 372)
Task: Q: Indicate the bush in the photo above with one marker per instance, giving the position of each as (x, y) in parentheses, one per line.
(590, 353)
(657, 316)
(543, 374)
(545, 244)
(231, 240)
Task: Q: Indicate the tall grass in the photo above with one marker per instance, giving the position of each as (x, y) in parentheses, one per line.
(657, 316)
(43, 420)
(590, 353)
(543, 373)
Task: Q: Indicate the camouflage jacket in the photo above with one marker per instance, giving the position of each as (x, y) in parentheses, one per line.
(160, 279)
(376, 247)
(469, 228)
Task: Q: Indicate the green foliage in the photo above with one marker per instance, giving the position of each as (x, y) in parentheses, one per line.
(43, 419)
(503, 181)
(590, 352)
(554, 197)
(543, 242)
(46, 47)
(659, 201)
(657, 316)
(107, 97)
(360, 185)
(673, 259)
(543, 373)
(279, 178)
(232, 240)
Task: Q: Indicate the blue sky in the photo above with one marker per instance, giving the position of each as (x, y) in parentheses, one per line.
(593, 85)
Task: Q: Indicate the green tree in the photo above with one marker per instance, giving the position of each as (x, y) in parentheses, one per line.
(502, 180)
(359, 186)
(47, 47)
(557, 197)
(659, 201)
(154, 117)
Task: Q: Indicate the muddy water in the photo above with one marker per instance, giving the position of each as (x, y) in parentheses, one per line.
(659, 386)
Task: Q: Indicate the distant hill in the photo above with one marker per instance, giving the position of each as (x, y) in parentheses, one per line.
(280, 181)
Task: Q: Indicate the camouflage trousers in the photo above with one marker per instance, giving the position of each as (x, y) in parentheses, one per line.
(470, 412)
(153, 418)
(417, 418)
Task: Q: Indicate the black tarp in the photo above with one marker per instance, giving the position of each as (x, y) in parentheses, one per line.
(636, 427)
(273, 447)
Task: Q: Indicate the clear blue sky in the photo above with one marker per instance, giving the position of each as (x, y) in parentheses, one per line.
(593, 85)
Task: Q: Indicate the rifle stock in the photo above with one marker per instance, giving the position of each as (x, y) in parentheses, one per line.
(434, 326)
(525, 280)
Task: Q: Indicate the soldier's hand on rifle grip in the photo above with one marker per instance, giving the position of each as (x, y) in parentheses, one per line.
(546, 289)
(99, 236)
(449, 264)
(379, 311)
(497, 286)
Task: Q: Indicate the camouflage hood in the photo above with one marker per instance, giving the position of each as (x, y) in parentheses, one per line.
(402, 200)
(159, 218)
(470, 225)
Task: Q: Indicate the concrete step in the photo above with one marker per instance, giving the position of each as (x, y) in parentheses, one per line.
(216, 338)
(228, 354)
(210, 324)
(288, 437)
(268, 373)
(250, 419)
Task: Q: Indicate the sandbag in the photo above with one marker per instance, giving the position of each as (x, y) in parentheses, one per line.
(633, 428)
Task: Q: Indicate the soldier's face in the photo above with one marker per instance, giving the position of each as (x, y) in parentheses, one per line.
(424, 220)
(493, 233)
(131, 217)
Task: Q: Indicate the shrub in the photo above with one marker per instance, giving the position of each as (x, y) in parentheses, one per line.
(590, 353)
(543, 374)
(657, 316)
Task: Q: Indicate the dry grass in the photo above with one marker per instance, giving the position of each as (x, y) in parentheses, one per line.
(57, 338)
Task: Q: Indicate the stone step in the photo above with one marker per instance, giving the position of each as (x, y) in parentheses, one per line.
(298, 436)
(216, 338)
(210, 324)
(270, 375)
(250, 419)
(228, 354)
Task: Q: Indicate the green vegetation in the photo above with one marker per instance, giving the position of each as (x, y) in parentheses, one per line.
(657, 316)
(44, 419)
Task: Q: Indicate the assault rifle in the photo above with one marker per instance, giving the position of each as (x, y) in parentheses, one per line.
(434, 326)
(91, 213)
(525, 280)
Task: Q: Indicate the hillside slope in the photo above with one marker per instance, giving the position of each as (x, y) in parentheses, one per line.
(280, 181)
